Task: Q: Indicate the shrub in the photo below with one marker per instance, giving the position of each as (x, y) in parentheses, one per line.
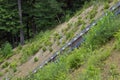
(91, 73)
(56, 34)
(13, 64)
(69, 35)
(1, 74)
(19, 47)
(107, 27)
(63, 42)
(83, 27)
(7, 50)
(92, 13)
(48, 43)
(67, 17)
(79, 22)
(106, 5)
(44, 49)
(69, 25)
(6, 64)
(7, 70)
(75, 60)
(1, 60)
(52, 71)
(35, 59)
(50, 49)
(114, 72)
(117, 36)
(58, 43)
(14, 69)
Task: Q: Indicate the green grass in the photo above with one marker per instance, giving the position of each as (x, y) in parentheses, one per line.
(31, 48)
(92, 13)
(88, 54)
(94, 40)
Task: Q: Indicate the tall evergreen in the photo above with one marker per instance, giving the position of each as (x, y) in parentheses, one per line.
(22, 19)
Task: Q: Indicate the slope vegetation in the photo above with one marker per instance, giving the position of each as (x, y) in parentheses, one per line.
(100, 44)
(28, 57)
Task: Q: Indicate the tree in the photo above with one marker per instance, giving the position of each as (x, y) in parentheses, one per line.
(34, 15)
(21, 30)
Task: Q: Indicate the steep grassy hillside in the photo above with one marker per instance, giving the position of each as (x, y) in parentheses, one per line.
(27, 58)
(99, 44)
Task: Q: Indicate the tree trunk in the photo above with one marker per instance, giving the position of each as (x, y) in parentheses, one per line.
(33, 26)
(27, 28)
(21, 30)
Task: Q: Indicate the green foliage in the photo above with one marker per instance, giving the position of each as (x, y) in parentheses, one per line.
(52, 72)
(114, 72)
(1, 74)
(92, 13)
(6, 64)
(79, 22)
(69, 35)
(48, 43)
(14, 69)
(91, 73)
(85, 54)
(36, 16)
(50, 49)
(76, 59)
(106, 5)
(67, 17)
(69, 25)
(35, 45)
(44, 49)
(94, 63)
(83, 27)
(7, 50)
(9, 17)
(13, 64)
(35, 59)
(117, 36)
(107, 27)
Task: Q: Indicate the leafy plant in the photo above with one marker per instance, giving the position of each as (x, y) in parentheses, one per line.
(7, 50)
(92, 13)
(106, 5)
(6, 64)
(44, 49)
(107, 27)
(13, 64)
(50, 49)
(35, 59)
(1, 74)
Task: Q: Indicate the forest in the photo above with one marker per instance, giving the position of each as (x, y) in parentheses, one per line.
(21, 20)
